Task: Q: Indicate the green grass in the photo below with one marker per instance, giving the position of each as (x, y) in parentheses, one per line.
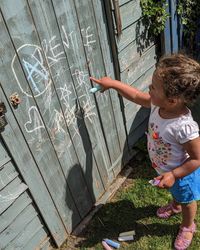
(133, 208)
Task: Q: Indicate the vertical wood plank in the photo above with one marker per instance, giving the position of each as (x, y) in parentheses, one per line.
(87, 115)
(109, 67)
(97, 68)
(7, 77)
(48, 34)
(174, 26)
(29, 116)
(46, 23)
(167, 32)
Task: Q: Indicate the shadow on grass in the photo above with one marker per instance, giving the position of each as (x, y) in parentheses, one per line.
(114, 218)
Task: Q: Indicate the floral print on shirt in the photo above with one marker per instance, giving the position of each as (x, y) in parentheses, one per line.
(159, 150)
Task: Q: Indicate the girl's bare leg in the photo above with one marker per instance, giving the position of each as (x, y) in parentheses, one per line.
(188, 215)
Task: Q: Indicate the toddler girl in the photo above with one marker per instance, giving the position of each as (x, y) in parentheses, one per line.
(173, 135)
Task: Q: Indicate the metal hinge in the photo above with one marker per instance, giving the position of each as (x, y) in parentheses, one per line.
(117, 16)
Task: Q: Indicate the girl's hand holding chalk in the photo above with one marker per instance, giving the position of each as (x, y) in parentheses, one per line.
(154, 182)
(95, 89)
(104, 82)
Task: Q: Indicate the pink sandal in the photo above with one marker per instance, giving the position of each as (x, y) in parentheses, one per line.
(163, 212)
(181, 243)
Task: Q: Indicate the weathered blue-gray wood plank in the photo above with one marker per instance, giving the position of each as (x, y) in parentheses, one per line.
(26, 234)
(174, 26)
(13, 138)
(4, 157)
(136, 57)
(7, 174)
(45, 245)
(46, 25)
(14, 210)
(10, 193)
(97, 67)
(87, 121)
(35, 130)
(137, 133)
(17, 226)
(121, 2)
(139, 66)
(130, 12)
(133, 53)
(143, 82)
(36, 240)
(135, 31)
(105, 42)
(134, 114)
(117, 127)
(167, 41)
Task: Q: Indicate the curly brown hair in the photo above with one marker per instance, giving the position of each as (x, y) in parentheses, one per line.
(180, 76)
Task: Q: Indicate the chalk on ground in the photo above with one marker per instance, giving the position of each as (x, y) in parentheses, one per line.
(126, 238)
(112, 243)
(105, 245)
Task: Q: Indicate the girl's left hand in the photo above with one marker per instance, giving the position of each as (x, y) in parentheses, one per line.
(166, 180)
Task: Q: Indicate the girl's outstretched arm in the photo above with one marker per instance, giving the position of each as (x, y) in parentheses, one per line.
(125, 90)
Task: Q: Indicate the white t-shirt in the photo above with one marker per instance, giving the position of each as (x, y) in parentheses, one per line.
(165, 137)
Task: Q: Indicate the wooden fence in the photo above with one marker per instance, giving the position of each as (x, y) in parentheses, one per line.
(62, 146)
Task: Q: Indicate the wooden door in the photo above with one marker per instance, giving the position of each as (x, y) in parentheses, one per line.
(66, 142)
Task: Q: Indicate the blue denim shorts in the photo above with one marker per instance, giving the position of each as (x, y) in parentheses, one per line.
(187, 189)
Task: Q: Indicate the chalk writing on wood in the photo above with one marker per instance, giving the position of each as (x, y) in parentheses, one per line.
(37, 61)
(8, 195)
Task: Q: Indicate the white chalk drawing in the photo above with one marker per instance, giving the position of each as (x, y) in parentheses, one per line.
(9, 196)
(53, 51)
(5, 195)
(59, 121)
(80, 77)
(35, 121)
(69, 114)
(37, 63)
(33, 64)
(32, 59)
(87, 107)
(47, 99)
(65, 93)
(70, 40)
(88, 37)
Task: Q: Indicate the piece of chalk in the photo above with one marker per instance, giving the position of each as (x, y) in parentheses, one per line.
(154, 182)
(125, 238)
(128, 233)
(105, 245)
(95, 89)
(112, 243)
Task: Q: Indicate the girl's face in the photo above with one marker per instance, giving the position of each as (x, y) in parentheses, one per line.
(156, 92)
